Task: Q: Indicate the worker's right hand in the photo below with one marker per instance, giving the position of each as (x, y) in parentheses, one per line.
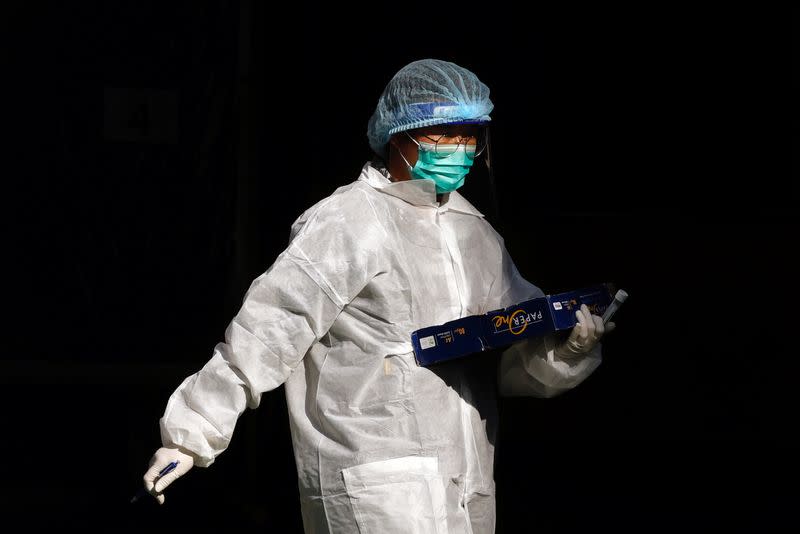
(154, 484)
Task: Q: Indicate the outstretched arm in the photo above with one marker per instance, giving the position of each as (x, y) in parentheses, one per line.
(285, 311)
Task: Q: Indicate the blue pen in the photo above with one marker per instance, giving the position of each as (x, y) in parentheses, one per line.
(142, 492)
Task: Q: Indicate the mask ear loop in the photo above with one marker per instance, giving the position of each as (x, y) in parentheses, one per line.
(410, 167)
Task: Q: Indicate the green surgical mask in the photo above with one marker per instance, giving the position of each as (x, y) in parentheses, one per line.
(446, 170)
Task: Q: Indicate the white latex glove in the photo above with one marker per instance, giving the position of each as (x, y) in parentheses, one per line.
(154, 484)
(585, 335)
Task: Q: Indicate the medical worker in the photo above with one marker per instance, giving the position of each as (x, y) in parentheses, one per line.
(380, 443)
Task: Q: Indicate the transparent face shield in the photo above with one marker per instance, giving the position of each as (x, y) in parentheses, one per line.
(481, 190)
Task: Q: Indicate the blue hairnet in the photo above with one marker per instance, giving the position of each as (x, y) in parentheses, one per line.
(425, 93)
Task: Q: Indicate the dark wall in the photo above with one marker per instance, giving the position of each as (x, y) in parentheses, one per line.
(161, 151)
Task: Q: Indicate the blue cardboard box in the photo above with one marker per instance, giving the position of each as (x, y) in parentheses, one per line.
(498, 328)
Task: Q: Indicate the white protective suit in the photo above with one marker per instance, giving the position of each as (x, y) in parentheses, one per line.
(381, 445)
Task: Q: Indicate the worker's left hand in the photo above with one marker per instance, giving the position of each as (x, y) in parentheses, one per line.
(585, 335)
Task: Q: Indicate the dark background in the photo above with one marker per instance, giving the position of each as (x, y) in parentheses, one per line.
(159, 152)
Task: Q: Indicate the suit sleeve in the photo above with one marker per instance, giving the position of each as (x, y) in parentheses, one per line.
(530, 367)
(332, 255)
